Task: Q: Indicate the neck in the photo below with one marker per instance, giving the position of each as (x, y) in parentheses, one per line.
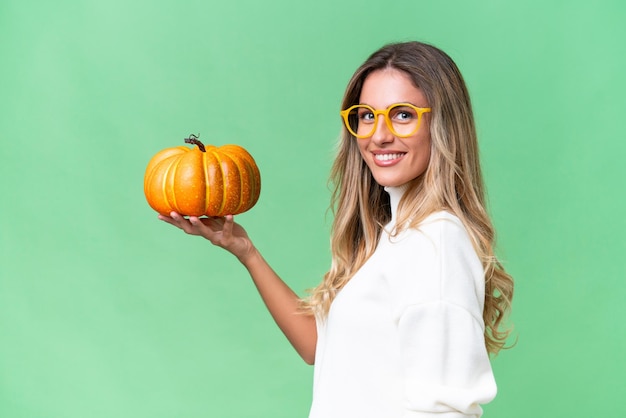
(395, 194)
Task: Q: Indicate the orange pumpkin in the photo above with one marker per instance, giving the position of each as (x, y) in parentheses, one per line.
(211, 181)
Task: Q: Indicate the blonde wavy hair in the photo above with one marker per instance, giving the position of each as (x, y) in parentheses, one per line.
(452, 182)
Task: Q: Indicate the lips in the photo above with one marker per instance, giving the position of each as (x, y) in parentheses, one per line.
(385, 159)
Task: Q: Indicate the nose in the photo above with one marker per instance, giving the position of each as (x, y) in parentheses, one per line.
(382, 134)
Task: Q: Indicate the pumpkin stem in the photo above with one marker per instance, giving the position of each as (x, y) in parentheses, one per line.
(193, 139)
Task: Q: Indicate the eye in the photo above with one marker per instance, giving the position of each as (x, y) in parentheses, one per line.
(365, 115)
(403, 114)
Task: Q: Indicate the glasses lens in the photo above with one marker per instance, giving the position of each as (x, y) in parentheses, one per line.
(404, 119)
(361, 121)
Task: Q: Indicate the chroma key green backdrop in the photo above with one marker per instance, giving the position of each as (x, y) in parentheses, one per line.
(107, 312)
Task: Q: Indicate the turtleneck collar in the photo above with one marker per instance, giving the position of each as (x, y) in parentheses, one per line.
(395, 194)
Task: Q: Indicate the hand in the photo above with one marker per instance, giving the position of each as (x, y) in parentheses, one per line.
(223, 232)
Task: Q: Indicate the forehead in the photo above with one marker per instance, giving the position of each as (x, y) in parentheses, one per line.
(385, 87)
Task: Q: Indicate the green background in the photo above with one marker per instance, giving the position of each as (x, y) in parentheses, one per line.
(107, 312)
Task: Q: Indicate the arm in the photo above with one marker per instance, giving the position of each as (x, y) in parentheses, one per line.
(439, 288)
(281, 301)
(446, 363)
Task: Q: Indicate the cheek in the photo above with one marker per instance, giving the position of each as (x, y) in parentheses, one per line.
(422, 153)
(426, 162)
(362, 149)
(427, 154)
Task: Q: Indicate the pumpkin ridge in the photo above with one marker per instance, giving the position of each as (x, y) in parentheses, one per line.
(236, 160)
(247, 166)
(166, 166)
(219, 164)
(173, 167)
(253, 178)
(207, 187)
(256, 177)
(154, 181)
(254, 181)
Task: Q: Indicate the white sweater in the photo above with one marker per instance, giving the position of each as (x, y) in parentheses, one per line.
(404, 337)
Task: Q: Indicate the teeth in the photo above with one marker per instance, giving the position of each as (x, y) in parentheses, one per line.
(387, 157)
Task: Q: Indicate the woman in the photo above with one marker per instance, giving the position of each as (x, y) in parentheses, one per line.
(404, 321)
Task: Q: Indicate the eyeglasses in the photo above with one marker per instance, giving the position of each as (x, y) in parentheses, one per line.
(403, 119)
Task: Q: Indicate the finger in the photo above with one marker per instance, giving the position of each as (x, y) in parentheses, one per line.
(181, 222)
(202, 227)
(168, 220)
(215, 221)
(177, 216)
(228, 225)
(196, 222)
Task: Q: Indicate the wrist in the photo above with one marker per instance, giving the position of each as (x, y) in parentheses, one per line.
(249, 257)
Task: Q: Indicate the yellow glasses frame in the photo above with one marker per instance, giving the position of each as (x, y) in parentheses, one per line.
(345, 114)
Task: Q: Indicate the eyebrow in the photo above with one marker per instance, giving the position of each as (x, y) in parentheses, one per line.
(394, 104)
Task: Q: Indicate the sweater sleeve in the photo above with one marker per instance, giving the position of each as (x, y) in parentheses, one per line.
(439, 287)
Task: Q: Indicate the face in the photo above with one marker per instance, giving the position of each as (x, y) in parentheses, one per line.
(392, 160)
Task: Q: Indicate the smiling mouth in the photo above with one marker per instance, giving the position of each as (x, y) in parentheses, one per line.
(388, 157)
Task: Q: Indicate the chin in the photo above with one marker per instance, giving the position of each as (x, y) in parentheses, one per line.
(397, 180)
(391, 182)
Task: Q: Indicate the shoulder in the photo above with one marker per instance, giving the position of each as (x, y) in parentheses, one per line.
(450, 239)
(443, 223)
(440, 230)
(437, 262)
